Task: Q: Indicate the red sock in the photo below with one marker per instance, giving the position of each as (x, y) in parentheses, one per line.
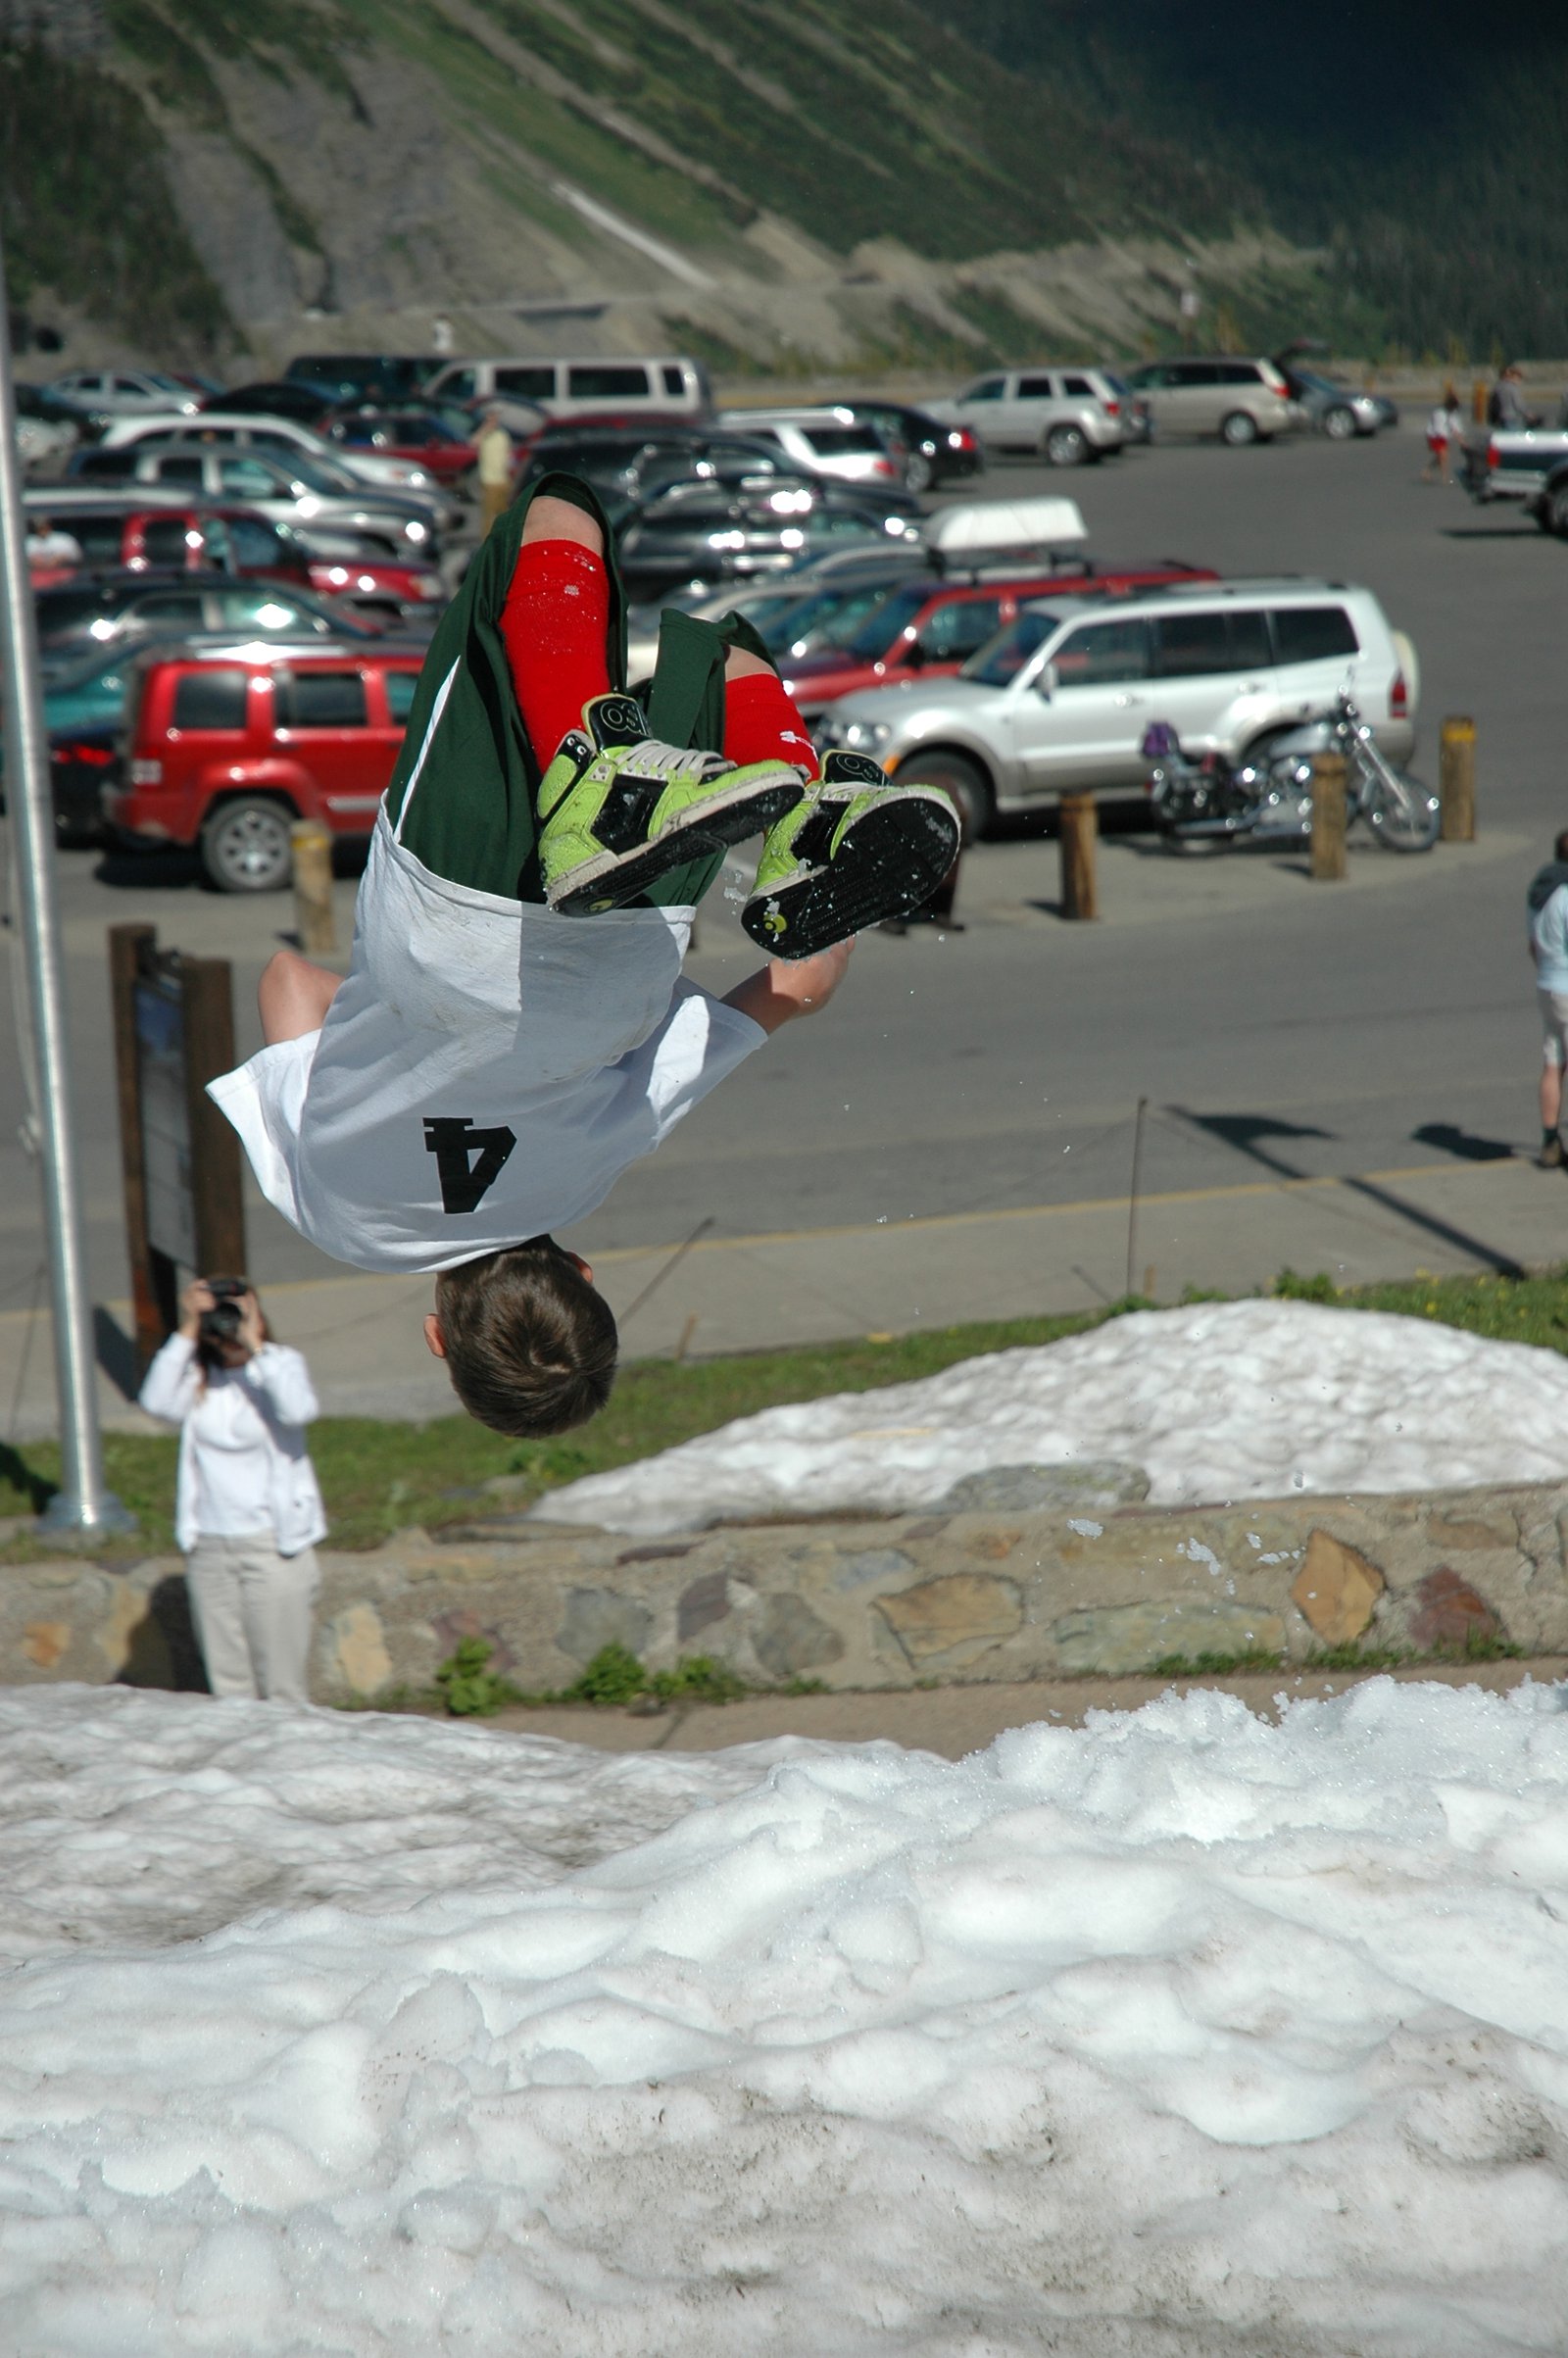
(761, 724)
(555, 624)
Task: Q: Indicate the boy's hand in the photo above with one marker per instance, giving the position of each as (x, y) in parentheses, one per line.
(788, 988)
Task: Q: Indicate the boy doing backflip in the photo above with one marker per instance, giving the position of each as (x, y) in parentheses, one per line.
(515, 1029)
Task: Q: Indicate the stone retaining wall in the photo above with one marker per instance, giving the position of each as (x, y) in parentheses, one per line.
(975, 1594)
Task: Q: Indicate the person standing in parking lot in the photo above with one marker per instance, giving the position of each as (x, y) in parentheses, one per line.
(494, 449)
(1549, 947)
(1444, 427)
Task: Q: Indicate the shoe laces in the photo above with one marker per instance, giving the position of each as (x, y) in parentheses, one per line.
(652, 760)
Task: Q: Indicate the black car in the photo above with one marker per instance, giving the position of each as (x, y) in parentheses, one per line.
(932, 453)
(272, 397)
(80, 762)
(114, 609)
(355, 376)
(634, 460)
(706, 531)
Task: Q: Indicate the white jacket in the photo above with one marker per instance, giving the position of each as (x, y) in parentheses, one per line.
(278, 1391)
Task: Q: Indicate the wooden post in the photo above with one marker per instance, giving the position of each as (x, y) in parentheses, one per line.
(154, 1288)
(216, 1200)
(1477, 401)
(313, 887)
(1079, 825)
(1457, 779)
(1329, 862)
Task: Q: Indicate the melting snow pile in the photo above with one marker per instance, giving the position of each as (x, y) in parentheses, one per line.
(1180, 2035)
(1237, 1399)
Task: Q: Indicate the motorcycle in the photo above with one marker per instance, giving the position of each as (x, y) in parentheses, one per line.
(1209, 801)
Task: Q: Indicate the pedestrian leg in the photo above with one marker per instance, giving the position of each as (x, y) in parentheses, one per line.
(279, 1605)
(212, 1582)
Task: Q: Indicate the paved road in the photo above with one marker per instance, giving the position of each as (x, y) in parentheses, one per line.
(1277, 1028)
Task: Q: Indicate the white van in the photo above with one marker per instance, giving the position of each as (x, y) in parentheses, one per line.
(673, 387)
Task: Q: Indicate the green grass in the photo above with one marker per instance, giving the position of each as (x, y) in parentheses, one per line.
(378, 1478)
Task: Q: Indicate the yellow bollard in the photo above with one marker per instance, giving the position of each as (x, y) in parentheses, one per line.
(1329, 862)
(313, 887)
(1457, 779)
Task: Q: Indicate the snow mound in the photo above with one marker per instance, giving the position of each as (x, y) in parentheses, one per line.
(1237, 1399)
(1180, 2034)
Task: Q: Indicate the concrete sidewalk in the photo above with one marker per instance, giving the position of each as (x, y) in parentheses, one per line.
(747, 1292)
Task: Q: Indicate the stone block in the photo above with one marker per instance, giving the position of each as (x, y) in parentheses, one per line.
(1449, 1614)
(789, 1638)
(359, 1641)
(1337, 1589)
(44, 1642)
(867, 1564)
(702, 1602)
(127, 1609)
(945, 1623)
(1118, 1639)
(997, 1545)
(451, 1628)
(596, 1619)
(1469, 1534)
(1031, 1489)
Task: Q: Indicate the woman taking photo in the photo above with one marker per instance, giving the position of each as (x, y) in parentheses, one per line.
(247, 1510)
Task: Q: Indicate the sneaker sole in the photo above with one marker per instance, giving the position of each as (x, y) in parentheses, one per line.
(726, 819)
(889, 865)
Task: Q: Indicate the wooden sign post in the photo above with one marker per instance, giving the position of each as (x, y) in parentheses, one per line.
(174, 1019)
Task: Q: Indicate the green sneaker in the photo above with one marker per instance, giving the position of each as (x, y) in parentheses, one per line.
(617, 809)
(855, 851)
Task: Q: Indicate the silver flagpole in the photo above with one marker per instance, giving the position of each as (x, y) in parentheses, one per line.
(82, 1504)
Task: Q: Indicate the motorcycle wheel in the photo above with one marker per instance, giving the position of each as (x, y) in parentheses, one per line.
(1403, 814)
(1193, 846)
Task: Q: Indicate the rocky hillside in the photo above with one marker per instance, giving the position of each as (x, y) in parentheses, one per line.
(767, 182)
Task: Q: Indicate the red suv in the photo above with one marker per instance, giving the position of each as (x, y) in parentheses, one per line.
(226, 748)
(931, 625)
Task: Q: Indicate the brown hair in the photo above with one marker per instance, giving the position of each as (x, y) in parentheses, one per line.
(530, 1344)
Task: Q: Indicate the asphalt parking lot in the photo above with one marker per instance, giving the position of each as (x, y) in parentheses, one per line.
(1276, 1028)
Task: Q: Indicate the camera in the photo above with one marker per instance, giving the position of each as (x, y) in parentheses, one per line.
(221, 1323)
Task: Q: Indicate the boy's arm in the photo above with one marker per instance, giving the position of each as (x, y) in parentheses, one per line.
(294, 997)
(777, 993)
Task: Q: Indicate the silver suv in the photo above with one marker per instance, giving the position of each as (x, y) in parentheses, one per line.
(1061, 698)
(1066, 415)
(1241, 401)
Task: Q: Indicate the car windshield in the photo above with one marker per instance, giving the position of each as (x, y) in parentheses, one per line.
(1000, 660)
(84, 674)
(69, 609)
(870, 638)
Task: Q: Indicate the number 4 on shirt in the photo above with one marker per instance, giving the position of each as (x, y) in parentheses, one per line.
(468, 1162)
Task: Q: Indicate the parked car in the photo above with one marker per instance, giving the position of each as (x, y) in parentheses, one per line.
(567, 388)
(1061, 698)
(45, 430)
(272, 397)
(414, 436)
(1241, 401)
(933, 623)
(931, 451)
(137, 536)
(281, 438)
(360, 573)
(709, 532)
(291, 489)
(353, 377)
(1521, 463)
(113, 610)
(1336, 409)
(820, 441)
(790, 611)
(121, 392)
(226, 748)
(1067, 416)
(633, 460)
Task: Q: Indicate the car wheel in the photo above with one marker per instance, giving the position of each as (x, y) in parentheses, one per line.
(1065, 446)
(245, 846)
(1555, 509)
(1339, 423)
(917, 473)
(1238, 429)
(962, 779)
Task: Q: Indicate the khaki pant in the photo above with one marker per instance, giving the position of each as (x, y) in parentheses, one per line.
(494, 501)
(253, 1612)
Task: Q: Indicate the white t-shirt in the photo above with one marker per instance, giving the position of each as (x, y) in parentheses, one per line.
(485, 1074)
(1549, 931)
